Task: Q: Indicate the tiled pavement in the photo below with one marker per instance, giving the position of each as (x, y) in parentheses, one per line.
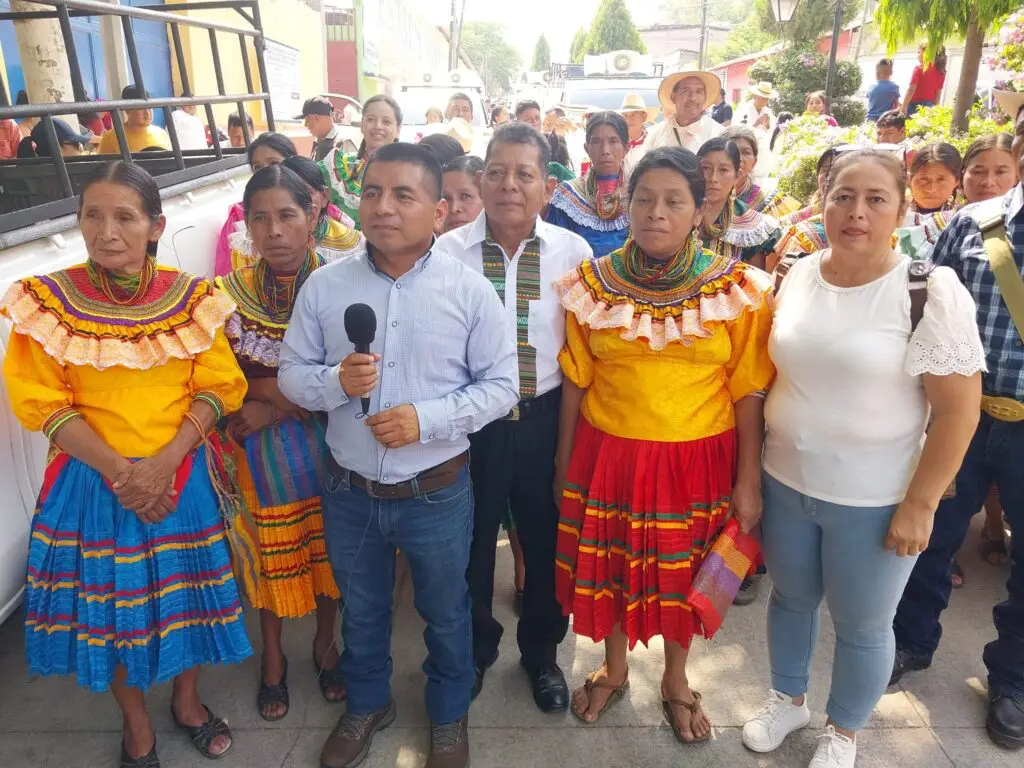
(935, 721)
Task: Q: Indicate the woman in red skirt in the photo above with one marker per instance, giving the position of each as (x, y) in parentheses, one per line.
(665, 361)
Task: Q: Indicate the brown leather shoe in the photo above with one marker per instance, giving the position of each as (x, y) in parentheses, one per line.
(449, 745)
(349, 743)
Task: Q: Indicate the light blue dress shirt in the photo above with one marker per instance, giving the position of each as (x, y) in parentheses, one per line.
(444, 348)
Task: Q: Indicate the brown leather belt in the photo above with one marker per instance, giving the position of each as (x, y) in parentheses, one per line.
(427, 481)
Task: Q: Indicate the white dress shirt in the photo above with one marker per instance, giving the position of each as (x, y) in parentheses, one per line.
(691, 137)
(191, 130)
(561, 251)
(749, 115)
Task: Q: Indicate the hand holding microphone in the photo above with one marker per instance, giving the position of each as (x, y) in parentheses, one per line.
(358, 371)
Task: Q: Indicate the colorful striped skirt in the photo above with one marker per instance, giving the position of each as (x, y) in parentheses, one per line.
(105, 589)
(637, 517)
(294, 569)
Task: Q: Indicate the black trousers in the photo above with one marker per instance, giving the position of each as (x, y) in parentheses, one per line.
(513, 463)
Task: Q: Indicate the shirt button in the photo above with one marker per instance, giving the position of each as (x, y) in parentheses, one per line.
(1020, 343)
(398, 285)
(385, 477)
(394, 323)
(391, 364)
(387, 405)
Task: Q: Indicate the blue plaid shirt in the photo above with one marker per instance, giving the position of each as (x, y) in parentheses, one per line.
(961, 247)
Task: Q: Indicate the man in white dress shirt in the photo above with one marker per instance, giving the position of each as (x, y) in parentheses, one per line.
(190, 129)
(512, 460)
(756, 113)
(689, 95)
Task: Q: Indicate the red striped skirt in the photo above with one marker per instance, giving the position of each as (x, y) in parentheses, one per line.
(637, 517)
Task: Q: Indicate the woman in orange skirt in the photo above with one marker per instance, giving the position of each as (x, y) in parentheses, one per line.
(665, 360)
(279, 448)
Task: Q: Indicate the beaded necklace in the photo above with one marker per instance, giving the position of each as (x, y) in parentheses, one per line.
(720, 226)
(122, 290)
(275, 292)
(605, 194)
(659, 275)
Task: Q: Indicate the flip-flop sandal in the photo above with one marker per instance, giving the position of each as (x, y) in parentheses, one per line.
(957, 575)
(202, 736)
(274, 694)
(993, 548)
(617, 692)
(693, 708)
(330, 678)
(146, 761)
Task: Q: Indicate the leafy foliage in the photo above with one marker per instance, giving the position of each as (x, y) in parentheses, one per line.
(688, 11)
(579, 46)
(797, 71)
(812, 18)
(801, 144)
(932, 124)
(613, 30)
(497, 60)
(746, 37)
(1010, 52)
(541, 55)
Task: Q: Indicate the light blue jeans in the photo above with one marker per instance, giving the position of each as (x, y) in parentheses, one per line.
(816, 549)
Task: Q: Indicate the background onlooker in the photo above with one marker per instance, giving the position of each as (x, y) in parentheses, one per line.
(138, 128)
(891, 128)
(884, 95)
(926, 82)
(235, 134)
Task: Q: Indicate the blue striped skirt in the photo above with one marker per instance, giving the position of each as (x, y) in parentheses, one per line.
(104, 589)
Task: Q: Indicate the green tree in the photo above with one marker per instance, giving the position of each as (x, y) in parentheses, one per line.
(797, 71)
(812, 19)
(688, 11)
(905, 21)
(614, 30)
(579, 46)
(541, 55)
(746, 37)
(497, 61)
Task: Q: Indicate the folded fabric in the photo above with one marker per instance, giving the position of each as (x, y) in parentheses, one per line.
(715, 586)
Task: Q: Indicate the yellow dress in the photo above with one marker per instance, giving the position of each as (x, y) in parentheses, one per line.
(103, 588)
(138, 140)
(654, 454)
(294, 569)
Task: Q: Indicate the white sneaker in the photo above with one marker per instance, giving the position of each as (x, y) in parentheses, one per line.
(834, 751)
(777, 718)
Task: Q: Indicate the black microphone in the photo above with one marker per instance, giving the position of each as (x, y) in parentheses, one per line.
(361, 327)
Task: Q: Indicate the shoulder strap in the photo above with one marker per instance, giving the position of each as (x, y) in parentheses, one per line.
(782, 269)
(1007, 274)
(918, 287)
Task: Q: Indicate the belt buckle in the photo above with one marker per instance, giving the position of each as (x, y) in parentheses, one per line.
(513, 415)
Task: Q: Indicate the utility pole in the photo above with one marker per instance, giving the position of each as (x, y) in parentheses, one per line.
(830, 77)
(44, 58)
(453, 43)
(863, 27)
(703, 45)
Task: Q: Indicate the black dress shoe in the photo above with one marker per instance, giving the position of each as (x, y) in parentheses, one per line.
(906, 661)
(550, 690)
(479, 670)
(1005, 722)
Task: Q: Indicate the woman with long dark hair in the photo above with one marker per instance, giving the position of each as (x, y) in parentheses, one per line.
(382, 121)
(926, 82)
(594, 206)
(124, 366)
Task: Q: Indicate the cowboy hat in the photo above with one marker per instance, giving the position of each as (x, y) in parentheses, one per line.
(462, 132)
(634, 102)
(1009, 101)
(764, 89)
(712, 87)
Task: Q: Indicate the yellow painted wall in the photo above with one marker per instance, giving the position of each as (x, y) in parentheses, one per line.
(291, 22)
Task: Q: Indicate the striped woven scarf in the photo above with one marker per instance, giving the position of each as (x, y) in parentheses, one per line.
(527, 290)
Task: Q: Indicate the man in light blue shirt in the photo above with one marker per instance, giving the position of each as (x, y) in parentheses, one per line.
(442, 365)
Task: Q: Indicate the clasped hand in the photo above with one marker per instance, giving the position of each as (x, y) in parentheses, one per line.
(147, 488)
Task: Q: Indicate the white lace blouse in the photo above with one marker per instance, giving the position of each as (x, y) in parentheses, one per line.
(847, 413)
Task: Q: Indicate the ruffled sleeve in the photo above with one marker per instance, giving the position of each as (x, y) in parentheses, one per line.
(37, 386)
(750, 368)
(575, 358)
(216, 377)
(946, 340)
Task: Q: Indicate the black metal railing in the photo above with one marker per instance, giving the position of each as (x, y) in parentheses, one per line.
(173, 166)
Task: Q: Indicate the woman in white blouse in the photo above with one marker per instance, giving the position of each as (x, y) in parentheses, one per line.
(850, 480)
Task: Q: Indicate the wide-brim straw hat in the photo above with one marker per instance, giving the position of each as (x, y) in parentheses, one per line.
(712, 86)
(764, 89)
(462, 132)
(634, 102)
(1009, 101)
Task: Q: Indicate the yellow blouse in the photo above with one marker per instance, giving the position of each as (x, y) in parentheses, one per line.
(70, 357)
(673, 378)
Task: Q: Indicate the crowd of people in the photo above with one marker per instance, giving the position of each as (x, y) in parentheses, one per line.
(407, 347)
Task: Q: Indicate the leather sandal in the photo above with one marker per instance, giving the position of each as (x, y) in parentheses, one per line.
(693, 708)
(589, 685)
(146, 761)
(202, 736)
(330, 678)
(274, 694)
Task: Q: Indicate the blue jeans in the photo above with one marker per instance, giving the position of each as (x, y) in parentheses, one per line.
(817, 549)
(916, 105)
(434, 531)
(996, 454)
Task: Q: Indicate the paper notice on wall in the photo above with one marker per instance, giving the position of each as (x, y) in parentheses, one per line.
(284, 79)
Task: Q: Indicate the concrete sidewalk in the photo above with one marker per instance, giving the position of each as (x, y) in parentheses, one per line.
(936, 720)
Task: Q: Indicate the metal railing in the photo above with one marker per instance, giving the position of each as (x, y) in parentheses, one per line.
(64, 10)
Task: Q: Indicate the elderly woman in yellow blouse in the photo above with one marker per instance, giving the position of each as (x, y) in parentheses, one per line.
(124, 366)
(665, 360)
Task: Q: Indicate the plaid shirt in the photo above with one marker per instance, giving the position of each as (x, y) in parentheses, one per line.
(961, 247)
